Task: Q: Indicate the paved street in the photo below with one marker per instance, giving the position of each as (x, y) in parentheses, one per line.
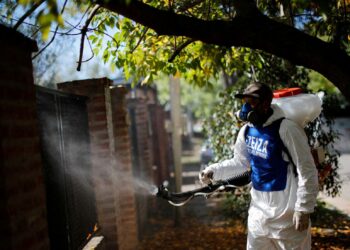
(342, 202)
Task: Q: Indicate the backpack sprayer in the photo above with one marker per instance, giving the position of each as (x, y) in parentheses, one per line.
(180, 199)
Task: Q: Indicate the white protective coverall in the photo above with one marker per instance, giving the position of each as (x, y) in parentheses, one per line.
(270, 221)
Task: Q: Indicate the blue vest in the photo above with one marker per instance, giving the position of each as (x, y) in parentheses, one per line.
(269, 170)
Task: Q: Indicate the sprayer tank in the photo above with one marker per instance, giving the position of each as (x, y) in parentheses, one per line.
(301, 108)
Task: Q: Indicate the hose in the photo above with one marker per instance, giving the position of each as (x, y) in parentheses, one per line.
(180, 199)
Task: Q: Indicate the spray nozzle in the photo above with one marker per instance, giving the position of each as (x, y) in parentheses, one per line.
(163, 192)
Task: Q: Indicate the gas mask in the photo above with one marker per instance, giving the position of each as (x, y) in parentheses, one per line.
(248, 114)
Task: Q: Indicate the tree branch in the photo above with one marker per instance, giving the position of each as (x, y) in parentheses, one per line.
(38, 28)
(54, 34)
(179, 49)
(139, 41)
(28, 13)
(83, 33)
(249, 28)
(245, 7)
(92, 52)
(291, 15)
(76, 25)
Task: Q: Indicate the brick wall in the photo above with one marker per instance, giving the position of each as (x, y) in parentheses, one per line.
(23, 206)
(150, 146)
(141, 136)
(155, 154)
(111, 161)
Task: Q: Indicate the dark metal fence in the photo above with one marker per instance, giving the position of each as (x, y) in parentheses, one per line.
(65, 147)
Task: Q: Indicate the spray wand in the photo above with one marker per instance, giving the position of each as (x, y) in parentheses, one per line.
(180, 199)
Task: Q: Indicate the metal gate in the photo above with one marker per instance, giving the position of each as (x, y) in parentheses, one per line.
(65, 148)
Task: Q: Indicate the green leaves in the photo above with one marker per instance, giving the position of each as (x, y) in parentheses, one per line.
(46, 17)
(45, 20)
(142, 53)
(222, 127)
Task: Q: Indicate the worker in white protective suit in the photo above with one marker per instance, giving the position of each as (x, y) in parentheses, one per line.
(282, 196)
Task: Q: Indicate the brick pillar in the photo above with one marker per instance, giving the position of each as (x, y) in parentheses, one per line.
(111, 161)
(160, 144)
(127, 212)
(141, 134)
(23, 221)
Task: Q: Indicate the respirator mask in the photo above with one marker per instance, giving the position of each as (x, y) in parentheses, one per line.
(248, 114)
(257, 100)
